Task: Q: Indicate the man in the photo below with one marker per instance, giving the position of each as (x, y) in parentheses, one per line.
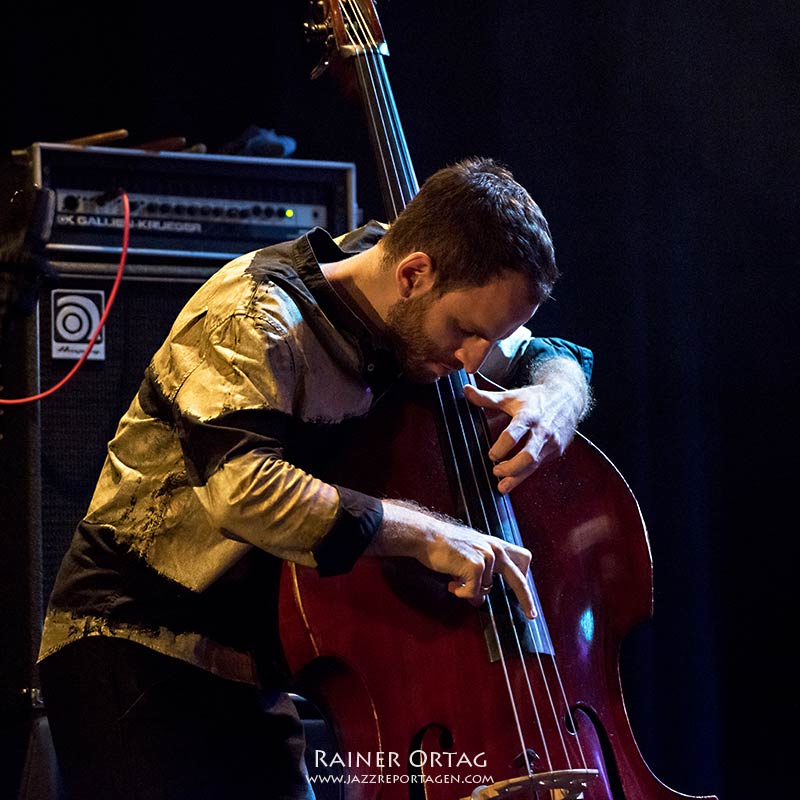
(161, 659)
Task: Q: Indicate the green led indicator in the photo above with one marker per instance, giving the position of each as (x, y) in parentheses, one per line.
(289, 212)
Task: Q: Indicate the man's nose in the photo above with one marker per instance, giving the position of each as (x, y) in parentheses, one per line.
(473, 353)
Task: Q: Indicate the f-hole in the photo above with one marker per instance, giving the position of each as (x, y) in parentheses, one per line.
(415, 767)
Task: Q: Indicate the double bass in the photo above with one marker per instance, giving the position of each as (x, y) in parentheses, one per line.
(426, 695)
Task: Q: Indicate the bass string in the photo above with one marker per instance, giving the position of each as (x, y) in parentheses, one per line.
(395, 163)
(511, 532)
(441, 386)
(505, 501)
(505, 526)
(398, 172)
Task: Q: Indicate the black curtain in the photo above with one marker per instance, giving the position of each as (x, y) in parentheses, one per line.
(660, 139)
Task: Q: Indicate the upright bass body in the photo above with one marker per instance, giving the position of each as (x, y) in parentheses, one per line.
(402, 669)
(427, 696)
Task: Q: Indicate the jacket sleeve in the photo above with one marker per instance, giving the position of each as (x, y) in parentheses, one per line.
(513, 360)
(234, 415)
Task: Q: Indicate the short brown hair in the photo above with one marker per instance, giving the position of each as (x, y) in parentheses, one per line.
(476, 222)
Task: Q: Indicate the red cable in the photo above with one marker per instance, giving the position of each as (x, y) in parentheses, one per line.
(111, 296)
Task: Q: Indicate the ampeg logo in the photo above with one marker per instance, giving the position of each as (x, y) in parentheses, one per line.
(74, 317)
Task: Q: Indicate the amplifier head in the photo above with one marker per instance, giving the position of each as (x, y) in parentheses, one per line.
(183, 205)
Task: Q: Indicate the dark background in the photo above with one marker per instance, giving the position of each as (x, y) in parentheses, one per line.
(660, 140)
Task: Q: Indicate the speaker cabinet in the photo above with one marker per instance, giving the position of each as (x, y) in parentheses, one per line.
(51, 451)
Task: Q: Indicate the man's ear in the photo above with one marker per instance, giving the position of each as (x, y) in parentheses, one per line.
(415, 275)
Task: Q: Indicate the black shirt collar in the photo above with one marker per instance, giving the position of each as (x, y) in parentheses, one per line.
(379, 367)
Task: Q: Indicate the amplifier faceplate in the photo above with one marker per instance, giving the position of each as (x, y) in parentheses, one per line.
(185, 205)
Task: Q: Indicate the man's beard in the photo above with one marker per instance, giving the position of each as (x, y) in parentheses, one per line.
(413, 348)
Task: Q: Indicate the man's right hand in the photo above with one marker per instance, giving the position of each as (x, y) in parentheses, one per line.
(469, 557)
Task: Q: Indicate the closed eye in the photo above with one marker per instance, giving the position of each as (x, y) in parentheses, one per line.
(473, 335)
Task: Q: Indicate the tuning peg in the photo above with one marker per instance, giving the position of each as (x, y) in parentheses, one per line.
(316, 31)
(318, 27)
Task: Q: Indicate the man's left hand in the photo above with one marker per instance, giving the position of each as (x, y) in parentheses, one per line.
(543, 419)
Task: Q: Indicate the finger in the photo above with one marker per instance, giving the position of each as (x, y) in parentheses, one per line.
(481, 397)
(467, 590)
(487, 578)
(519, 556)
(516, 430)
(476, 573)
(512, 472)
(518, 581)
(507, 484)
(528, 456)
